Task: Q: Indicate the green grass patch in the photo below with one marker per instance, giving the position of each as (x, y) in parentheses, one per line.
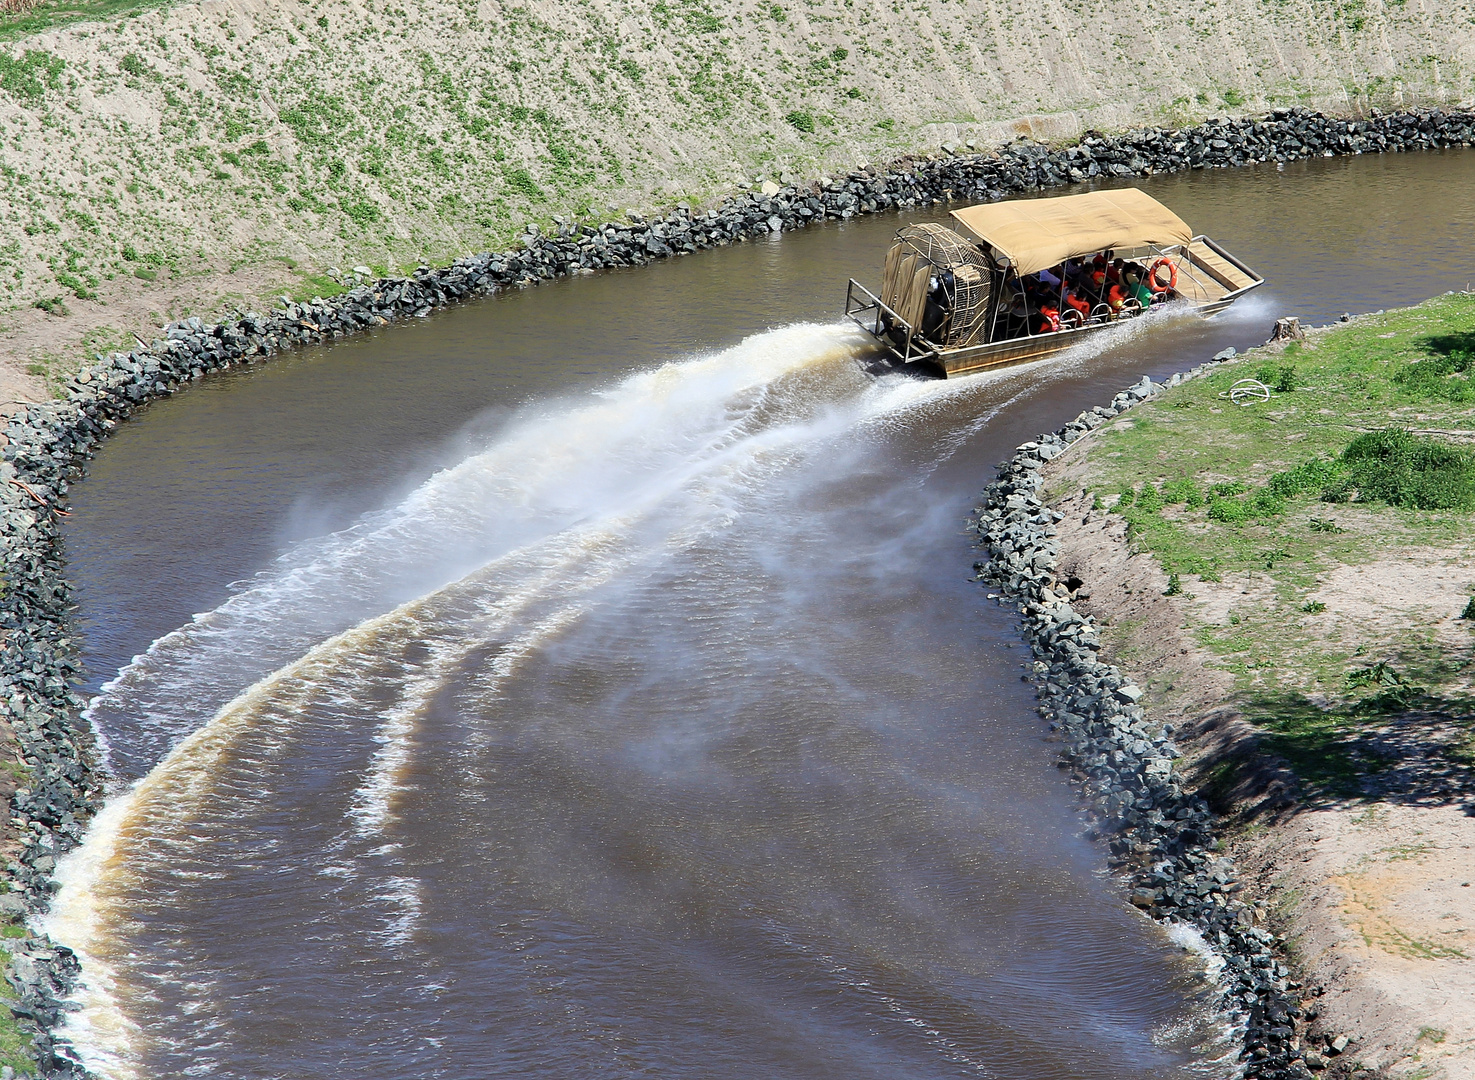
(802, 120)
(1357, 457)
(46, 15)
(15, 1045)
(29, 76)
(315, 285)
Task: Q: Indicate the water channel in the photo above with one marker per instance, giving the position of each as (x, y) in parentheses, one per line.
(587, 682)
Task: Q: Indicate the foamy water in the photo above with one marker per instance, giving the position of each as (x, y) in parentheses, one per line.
(340, 666)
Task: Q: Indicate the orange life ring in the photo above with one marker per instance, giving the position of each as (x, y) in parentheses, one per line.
(1152, 281)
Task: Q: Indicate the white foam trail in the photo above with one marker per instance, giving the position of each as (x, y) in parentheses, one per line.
(1219, 1055)
(1190, 940)
(100, 1028)
(403, 894)
(541, 519)
(547, 469)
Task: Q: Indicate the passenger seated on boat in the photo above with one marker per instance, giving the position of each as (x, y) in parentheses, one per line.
(1096, 281)
(1137, 289)
(1077, 302)
(1050, 281)
(1116, 296)
(1046, 320)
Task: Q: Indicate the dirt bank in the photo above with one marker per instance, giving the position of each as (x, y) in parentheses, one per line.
(1349, 801)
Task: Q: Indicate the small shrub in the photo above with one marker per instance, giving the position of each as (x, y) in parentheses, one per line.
(838, 53)
(801, 119)
(1469, 612)
(777, 14)
(885, 125)
(29, 76)
(132, 64)
(362, 213)
(1229, 511)
(53, 306)
(77, 285)
(1322, 525)
(1444, 376)
(1313, 607)
(1308, 476)
(1183, 491)
(1412, 472)
(1380, 674)
(521, 181)
(1175, 587)
(145, 275)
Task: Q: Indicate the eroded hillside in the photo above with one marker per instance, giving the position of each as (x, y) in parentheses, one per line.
(392, 131)
(143, 147)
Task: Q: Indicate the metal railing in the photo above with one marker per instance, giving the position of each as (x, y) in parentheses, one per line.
(885, 325)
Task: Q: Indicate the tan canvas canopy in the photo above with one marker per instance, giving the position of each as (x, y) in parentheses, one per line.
(1036, 234)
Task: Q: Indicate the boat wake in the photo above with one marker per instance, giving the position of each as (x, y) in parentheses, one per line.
(479, 570)
(496, 673)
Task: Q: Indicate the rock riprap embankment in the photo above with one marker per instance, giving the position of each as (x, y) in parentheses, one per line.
(47, 444)
(1160, 835)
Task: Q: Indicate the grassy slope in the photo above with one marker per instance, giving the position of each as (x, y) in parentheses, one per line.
(149, 140)
(1302, 667)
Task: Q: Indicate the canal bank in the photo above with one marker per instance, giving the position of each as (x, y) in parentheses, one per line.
(1294, 604)
(112, 393)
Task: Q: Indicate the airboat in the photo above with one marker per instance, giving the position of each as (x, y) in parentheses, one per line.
(1039, 276)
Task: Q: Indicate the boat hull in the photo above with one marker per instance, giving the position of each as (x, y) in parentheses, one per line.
(997, 354)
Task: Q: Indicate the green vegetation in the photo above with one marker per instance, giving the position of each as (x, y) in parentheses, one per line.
(15, 1045)
(46, 15)
(30, 76)
(1361, 457)
(802, 119)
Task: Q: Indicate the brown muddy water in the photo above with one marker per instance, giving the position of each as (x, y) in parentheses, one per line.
(587, 682)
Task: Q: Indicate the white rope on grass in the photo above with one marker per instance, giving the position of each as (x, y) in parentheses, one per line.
(1247, 392)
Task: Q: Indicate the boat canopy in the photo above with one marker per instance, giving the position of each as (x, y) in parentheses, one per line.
(1036, 234)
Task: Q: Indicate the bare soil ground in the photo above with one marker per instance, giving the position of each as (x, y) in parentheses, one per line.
(39, 349)
(1376, 896)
